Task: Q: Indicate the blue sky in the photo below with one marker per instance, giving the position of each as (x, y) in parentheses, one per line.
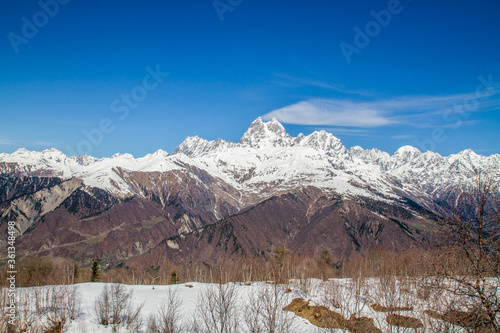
(426, 74)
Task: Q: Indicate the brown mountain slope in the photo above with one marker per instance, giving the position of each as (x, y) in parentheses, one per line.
(67, 218)
(120, 231)
(305, 221)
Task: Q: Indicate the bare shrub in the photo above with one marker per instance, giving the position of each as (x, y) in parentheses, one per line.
(336, 296)
(280, 265)
(265, 313)
(194, 326)
(152, 324)
(332, 294)
(56, 305)
(350, 297)
(26, 319)
(305, 284)
(472, 222)
(114, 306)
(423, 288)
(359, 300)
(432, 319)
(168, 317)
(394, 292)
(218, 309)
(3, 309)
(36, 271)
(4, 301)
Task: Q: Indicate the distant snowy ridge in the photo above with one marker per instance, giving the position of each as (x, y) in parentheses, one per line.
(268, 160)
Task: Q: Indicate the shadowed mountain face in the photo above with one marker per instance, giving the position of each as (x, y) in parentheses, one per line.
(305, 221)
(174, 221)
(211, 200)
(67, 218)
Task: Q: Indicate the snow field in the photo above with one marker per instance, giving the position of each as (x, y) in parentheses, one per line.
(345, 296)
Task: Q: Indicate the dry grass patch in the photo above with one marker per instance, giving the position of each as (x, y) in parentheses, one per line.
(362, 325)
(325, 318)
(468, 319)
(317, 315)
(403, 321)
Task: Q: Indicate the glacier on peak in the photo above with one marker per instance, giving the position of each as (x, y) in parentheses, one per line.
(194, 146)
(323, 140)
(84, 160)
(21, 151)
(125, 155)
(407, 150)
(158, 153)
(267, 158)
(261, 134)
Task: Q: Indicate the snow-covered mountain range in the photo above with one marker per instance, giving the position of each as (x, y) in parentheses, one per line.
(268, 160)
(306, 192)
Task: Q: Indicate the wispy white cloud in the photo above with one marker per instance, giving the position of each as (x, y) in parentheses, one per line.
(331, 113)
(5, 142)
(419, 111)
(290, 81)
(403, 137)
(344, 130)
(347, 130)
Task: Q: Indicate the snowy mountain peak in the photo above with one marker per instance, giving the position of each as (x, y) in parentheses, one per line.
(160, 153)
(45, 157)
(268, 159)
(261, 134)
(298, 139)
(20, 151)
(54, 153)
(275, 126)
(196, 146)
(84, 160)
(322, 140)
(467, 153)
(192, 145)
(407, 150)
(126, 156)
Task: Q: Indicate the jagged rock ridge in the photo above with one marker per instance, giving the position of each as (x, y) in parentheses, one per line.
(202, 182)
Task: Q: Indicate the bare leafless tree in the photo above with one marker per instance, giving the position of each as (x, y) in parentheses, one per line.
(264, 311)
(57, 305)
(168, 318)
(217, 307)
(26, 318)
(114, 306)
(349, 297)
(393, 292)
(4, 319)
(472, 220)
(4, 310)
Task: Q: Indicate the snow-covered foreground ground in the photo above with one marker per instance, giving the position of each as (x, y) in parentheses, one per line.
(344, 296)
(153, 296)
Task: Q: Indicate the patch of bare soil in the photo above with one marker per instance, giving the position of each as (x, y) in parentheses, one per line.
(403, 321)
(317, 315)
(362, 325)
(323, 317)
(475, 319)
